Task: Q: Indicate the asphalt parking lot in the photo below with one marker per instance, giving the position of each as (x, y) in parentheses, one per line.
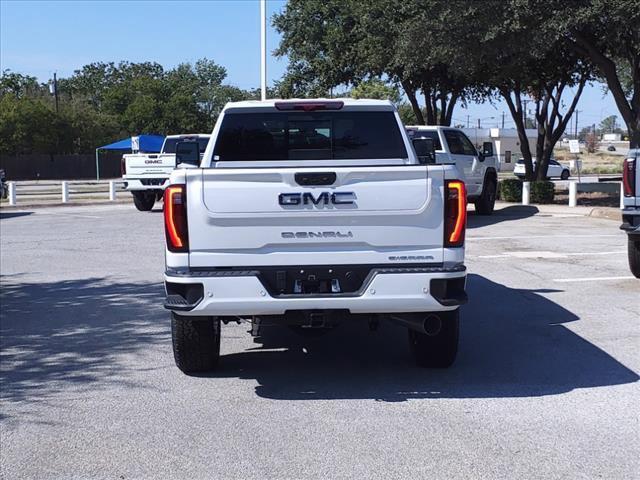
(545, 385)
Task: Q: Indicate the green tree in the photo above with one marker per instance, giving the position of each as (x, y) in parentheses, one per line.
(376, 88)
(606, 33)
(343, 42)
(608, 124)
(30, 126)
(523, 64)
(19, 85)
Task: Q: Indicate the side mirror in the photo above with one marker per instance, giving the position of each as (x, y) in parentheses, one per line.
(188, 152)
(425, 150)
(487, 149)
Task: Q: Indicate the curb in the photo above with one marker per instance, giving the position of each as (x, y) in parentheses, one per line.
(608, 213)
(22, 206)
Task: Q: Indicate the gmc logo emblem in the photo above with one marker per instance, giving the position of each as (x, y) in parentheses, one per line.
(153, 162)
(323, 199)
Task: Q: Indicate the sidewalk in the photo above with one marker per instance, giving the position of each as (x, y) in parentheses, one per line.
(611, 213)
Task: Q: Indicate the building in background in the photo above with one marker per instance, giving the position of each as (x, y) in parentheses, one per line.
(612, 137)
(506, 143)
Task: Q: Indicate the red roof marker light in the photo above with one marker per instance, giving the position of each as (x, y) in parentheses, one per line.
(310, 106)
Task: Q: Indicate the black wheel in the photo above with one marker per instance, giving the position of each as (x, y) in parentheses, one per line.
(633, 247)
(144, 201)
(196, 342)
(487, 201)
(564, 175)
(439, 350)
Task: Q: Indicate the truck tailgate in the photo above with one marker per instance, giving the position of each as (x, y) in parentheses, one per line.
(265, 216)
(150, 164)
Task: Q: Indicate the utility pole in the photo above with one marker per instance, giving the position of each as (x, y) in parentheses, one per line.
(524, 112)
(263, 49)
(478, 123)
(467, 121)
(576, 125)
(503, 120)
(55, 89)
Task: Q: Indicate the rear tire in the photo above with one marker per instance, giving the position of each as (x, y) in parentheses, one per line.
(196, 342)
(144, 201)
(440, 350)
(564, 175)
(633, 248)
(486, 203)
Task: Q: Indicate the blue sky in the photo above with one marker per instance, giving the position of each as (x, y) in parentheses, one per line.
(38, 38)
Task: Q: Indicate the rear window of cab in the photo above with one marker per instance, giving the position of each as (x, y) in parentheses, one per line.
(294, 135)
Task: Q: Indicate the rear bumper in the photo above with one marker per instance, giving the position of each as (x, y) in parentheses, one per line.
(386, 290)
(631, 221)
(151, 183)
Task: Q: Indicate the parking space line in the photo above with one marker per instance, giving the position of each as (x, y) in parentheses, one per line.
(591, 279)
(67, 214)
(516, 237)
(529, 254)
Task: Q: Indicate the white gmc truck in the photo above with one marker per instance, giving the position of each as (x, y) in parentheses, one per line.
(631, 209)
(308, 213)
(146, 175)
(478, 168)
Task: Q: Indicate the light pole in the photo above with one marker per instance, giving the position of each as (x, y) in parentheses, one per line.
(263, 49)
(524, 112)
(53, 89)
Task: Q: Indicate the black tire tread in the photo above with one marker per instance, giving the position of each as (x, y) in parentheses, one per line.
(144, 201)
(633, 249)
(485, 204)
(196, 342)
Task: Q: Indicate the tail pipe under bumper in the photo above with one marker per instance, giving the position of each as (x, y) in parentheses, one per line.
(448, 292)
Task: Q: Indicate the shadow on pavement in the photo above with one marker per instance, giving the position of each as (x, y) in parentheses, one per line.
(513, 344)
(6, 215)
(63, 333)
(505, 214)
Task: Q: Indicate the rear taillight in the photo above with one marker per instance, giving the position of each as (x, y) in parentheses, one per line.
(175, 218)
(123, 167)
(455, 213)
(629, 177)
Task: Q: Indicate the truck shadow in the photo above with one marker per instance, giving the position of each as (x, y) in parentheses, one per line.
(500, 215)
(513, 344)
(6, 215)
(72, 334)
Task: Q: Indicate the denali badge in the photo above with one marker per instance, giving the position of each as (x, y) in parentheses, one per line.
(348, 234)
(325, 198)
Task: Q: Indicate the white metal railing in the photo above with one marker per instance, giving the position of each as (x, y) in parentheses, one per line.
(64, 191)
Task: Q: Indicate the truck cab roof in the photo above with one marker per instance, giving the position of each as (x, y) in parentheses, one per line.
(346, 103)
(190, 135)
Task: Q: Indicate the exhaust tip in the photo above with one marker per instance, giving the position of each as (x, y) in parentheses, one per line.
(432, 325)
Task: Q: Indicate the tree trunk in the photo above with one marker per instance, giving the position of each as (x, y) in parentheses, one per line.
(634, 135)
(516, 113)
(415, 106)
(431, 114)
(452, 103)
(430, 106)
(629, 109)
